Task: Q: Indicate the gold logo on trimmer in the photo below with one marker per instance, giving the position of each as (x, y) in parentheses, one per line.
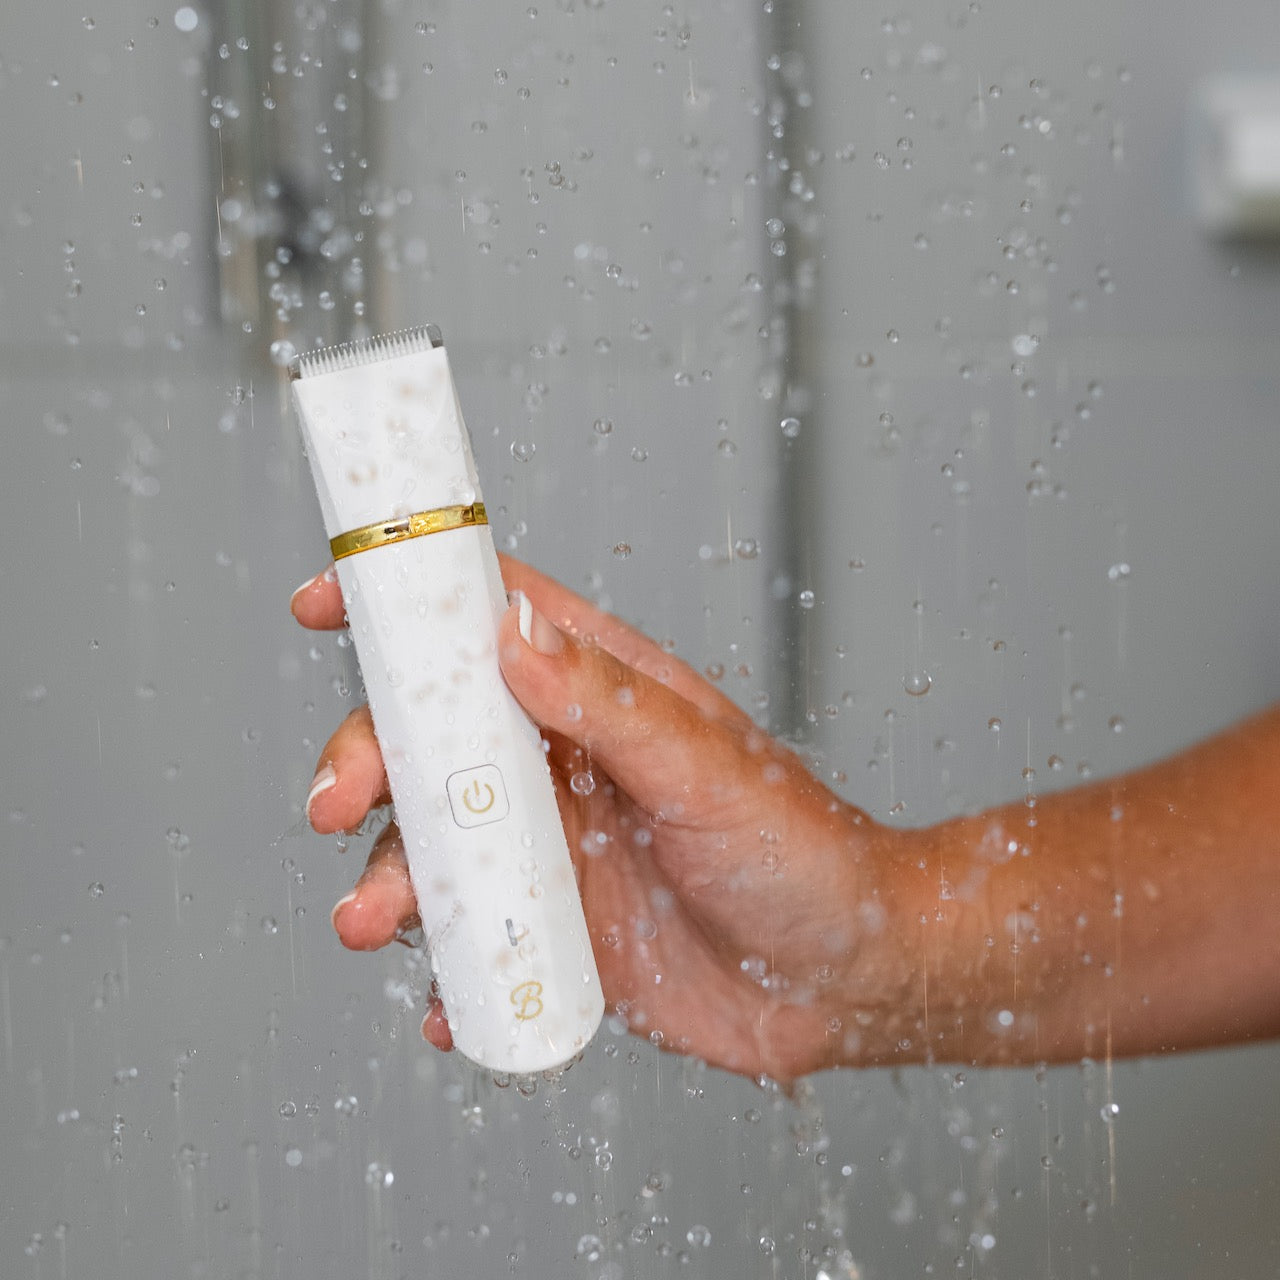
(527, 998)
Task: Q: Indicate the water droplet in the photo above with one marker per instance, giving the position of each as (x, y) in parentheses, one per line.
(590, 1248)
(806, 599)
(190, 1158)
(746, 549)
(698, 1236)
(522, 451)
(622, 550)
(282, 351)
(603, 426)
(1109, 1111)
(767, 1246)
(790, 427)
(96, 889)
(288, 1110)
(582, 784)
(186, 18)
(1119, 571)
(377, 1175)
(917, 683)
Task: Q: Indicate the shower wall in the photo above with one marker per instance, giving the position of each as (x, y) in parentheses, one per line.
(653, 235)
(1037, 384)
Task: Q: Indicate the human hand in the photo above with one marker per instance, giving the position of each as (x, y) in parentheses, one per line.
(738, 910)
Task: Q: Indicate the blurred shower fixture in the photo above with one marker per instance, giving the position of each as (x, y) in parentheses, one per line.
(287, 98)
(1235, 156)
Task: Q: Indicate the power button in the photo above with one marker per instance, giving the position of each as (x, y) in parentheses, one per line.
(477, 796)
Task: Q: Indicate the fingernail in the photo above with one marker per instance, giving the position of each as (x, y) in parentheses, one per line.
(337, 906)
(300, 589)
(535, 630)
(324, 779)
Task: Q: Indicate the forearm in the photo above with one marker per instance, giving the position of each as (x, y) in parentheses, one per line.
(1135, 915)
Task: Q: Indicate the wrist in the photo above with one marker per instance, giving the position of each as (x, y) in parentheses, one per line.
(873, 1001)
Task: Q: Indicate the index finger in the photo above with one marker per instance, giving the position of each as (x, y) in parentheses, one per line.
(571, 613)
(317, 604)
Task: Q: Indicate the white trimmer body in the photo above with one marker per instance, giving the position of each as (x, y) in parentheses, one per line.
(469, 778)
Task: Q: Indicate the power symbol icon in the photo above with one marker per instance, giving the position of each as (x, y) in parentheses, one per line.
(479, 797)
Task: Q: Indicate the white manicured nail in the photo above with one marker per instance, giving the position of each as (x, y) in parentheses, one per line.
(539, 634)
(324, 779)
(525, 605)
(337, 906)
(301, 588)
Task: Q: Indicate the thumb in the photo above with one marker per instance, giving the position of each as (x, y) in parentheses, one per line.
(669, 756)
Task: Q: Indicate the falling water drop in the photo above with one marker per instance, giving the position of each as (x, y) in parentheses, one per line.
(282, 351)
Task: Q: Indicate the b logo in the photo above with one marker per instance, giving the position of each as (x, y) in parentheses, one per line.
(527, 999)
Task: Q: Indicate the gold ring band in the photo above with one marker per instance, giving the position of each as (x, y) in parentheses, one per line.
(417, 525)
